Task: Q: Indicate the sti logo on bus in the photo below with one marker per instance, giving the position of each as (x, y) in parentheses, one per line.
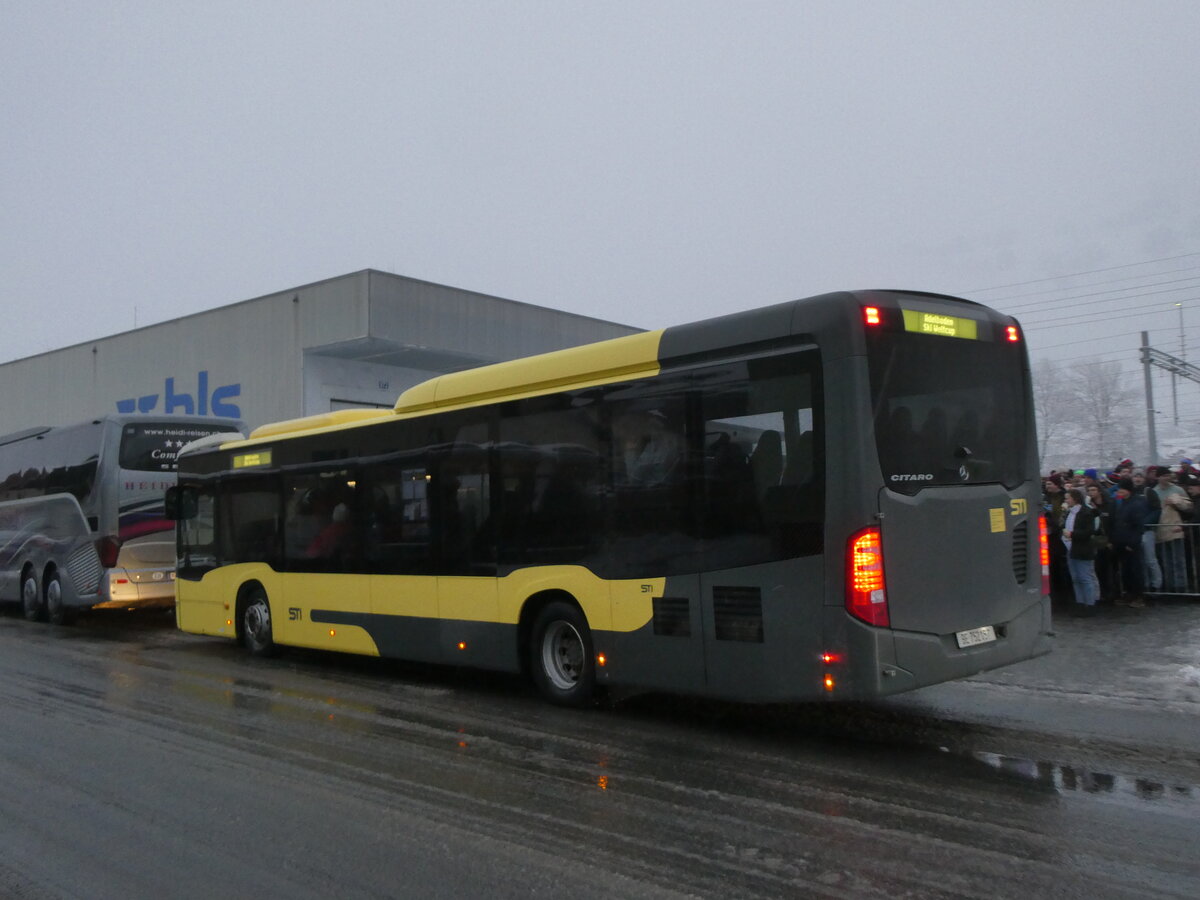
(204, 403)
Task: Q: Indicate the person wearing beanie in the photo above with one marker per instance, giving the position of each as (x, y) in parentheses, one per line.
(1129, 522)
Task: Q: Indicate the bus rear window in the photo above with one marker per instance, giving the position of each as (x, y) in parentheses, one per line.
(153, 446)
(947, 410)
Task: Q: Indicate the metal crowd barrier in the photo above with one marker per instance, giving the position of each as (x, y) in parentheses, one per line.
(1184, 556)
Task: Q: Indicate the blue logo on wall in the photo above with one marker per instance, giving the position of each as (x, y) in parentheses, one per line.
(202, 404)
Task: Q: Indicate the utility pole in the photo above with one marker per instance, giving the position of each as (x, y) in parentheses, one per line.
(1149, 397)
(1183, 357)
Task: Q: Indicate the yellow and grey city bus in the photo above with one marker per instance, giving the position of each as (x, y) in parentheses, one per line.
(834, 497)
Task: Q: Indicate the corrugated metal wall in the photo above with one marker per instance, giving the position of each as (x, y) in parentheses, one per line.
(250, 357)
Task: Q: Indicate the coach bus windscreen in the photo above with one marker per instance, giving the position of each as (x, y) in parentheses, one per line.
(949, 405)
(154, 446)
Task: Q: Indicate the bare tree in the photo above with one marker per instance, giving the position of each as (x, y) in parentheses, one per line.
(1052, 406)
(1105, 402)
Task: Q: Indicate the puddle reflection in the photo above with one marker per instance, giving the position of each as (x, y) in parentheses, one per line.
(1066, 779)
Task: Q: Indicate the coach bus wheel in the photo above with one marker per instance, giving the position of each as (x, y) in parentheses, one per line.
(31, 599)
(562, 664)
(256, 624)
(58, 612)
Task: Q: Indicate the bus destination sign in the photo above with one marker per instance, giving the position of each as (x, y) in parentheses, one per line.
(940, 325)
(247, 460)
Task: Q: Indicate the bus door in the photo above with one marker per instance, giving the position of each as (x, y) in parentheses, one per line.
(399, 554)
(460, 494)
(324, 584)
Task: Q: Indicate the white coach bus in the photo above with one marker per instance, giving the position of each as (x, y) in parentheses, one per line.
(81, 513)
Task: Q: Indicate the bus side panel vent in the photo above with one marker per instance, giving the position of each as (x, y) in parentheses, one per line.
(1020, 552)
(672, 617)
(737, 614)
(84, 568)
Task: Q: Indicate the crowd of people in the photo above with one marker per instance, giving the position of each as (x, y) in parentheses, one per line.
(1117, 536)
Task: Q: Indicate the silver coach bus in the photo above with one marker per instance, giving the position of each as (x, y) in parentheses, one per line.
(81, 513)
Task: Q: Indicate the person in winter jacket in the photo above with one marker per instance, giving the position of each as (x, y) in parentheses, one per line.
(1169, 532)
(1128, 525)
(1078, 534)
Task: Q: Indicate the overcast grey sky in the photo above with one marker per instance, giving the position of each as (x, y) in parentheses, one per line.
(648, 162)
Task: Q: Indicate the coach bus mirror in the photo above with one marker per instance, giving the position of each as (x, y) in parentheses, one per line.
(180, 503)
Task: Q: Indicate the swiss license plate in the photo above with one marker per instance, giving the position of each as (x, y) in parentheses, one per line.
(974, 636)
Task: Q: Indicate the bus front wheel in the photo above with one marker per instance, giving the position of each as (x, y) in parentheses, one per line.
(32, 603)
(562, 663)
(256, 624)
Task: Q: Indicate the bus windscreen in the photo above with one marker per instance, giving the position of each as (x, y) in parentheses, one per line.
(154, 446)
(947, 410)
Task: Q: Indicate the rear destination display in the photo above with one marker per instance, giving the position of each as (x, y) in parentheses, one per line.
(941, 325)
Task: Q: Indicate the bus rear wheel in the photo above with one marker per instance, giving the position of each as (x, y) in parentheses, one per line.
(562, 661)
(256, 624)
(32, 603)
(56, 611)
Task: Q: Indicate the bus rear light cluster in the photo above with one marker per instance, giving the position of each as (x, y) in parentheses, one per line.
(866, 592)
(1044, 554)
(1013, 333)
(871, 315)
(108, 548)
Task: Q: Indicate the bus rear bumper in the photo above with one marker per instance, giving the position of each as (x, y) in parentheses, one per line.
(138, 589)
(924, 659)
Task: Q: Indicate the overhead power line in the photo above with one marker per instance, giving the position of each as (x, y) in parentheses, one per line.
(1054, 290)
(1127, 294)
(1147, 262)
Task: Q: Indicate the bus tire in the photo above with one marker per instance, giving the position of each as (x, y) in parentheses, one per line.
(32, 602)
(56, 611)
(561, 658)
(256, 624)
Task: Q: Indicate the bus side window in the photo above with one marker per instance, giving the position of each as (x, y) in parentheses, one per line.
(252, 503)
(398, 540)
(317, 520)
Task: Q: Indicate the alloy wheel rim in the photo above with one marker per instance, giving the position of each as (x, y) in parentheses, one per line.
(562, 655)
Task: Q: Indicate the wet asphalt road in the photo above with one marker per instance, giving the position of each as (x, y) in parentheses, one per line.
(136, 761)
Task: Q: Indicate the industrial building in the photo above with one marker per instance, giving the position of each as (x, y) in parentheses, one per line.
(355, 340)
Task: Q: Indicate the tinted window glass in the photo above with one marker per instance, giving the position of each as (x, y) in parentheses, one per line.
(197, 537)
(719, 467)
(318, 521)
(396, 516)
(947, 410)
(60, 461)
(153, 446)
(250, 517)
(550, 479)
(459, 491)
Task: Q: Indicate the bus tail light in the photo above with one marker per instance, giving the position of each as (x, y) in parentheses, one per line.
(866, 594)
(1044, 554)
(871, 315)
(1013, 333)
(108, 548)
